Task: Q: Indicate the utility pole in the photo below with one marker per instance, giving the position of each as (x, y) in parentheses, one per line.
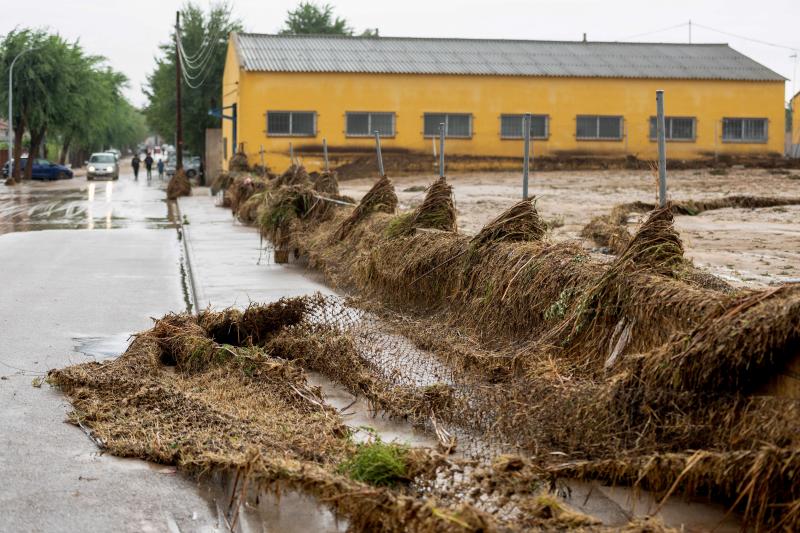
(690, 31)
(178, 99)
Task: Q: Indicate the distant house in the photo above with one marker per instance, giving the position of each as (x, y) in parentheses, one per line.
(3, 130)
(587, 98)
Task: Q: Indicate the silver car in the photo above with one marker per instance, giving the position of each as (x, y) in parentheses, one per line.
(102, 165)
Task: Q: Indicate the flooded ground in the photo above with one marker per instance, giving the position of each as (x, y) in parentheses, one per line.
(750, 247)
(78, 204)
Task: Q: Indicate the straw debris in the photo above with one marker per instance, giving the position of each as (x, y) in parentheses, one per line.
(178, 186)
(381, 198)
(519, 223)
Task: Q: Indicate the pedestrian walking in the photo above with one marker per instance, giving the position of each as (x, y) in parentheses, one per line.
(135, 164)
(160, 166)
(148, 164)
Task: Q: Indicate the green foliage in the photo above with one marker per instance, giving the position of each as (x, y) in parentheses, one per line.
(377, 463)
(204, 34)
(310, 18)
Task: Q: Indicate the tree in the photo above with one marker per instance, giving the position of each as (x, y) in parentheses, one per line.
(14, 43)
(204, 39)
(61, 92)
(310, 18)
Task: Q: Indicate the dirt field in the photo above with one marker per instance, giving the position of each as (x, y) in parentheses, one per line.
(750, 247)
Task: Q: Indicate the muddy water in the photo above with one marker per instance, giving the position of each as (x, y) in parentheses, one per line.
(246, 511)
(616, 506)
(357, 415)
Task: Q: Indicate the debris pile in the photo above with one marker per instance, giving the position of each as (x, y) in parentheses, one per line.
(178, 186)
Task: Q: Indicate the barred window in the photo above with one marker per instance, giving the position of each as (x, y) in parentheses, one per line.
(744, 129)
(511, 126)
(675, 128)
(598, 127)
(365, 124)
(456, 124)
(296, 123)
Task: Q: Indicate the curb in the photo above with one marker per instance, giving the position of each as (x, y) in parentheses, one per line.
(184, 237)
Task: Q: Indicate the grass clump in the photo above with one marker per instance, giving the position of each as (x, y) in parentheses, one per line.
(377, 463)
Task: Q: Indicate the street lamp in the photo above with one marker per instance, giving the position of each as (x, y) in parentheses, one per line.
(11, 107)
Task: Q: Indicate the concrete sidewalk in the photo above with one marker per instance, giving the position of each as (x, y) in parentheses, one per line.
(229, 264)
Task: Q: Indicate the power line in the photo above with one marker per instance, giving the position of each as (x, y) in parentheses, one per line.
(683, 24)
(723, 32)
(200, 69)
(751, 39)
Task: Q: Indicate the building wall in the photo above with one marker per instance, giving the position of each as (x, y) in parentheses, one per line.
(795, 106)
(213, 151)
(487, 97)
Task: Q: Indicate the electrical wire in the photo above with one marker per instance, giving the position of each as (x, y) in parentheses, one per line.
(202, 69)
(759, 41)
(202, 53)
(676, 26)
(208, 55)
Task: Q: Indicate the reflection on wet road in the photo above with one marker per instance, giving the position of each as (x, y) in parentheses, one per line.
(83, 205)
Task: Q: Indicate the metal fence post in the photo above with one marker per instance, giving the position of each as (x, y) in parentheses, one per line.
(325, 153)
(662, 150)
(291, 154)
(441, 149)
(526, 131)
(378, 150)
(261, 151)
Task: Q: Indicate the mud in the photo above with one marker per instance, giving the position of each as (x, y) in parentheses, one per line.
(752, 247)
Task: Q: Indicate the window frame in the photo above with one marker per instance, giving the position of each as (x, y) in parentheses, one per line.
(291, 118)
(371, 132)
(598, 138)
(744, 140)
(667, 133)
(447, 135)
(522, 136)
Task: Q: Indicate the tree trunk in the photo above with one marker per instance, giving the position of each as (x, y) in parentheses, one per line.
(64, 150)
(19, 131)
(36, 144)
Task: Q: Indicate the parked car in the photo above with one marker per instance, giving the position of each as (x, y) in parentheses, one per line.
(102, 165)
(42, 169)
(191, 166)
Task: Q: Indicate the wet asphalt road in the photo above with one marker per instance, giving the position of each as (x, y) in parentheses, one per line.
(82, 265)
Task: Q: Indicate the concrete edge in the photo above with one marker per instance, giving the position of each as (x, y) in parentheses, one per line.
(187, 252)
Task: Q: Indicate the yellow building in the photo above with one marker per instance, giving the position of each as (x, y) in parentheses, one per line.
(586, 98)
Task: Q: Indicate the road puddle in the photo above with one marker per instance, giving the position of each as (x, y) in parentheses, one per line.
(102, 347)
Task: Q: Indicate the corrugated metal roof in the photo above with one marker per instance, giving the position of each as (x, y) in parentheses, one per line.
(403, 55)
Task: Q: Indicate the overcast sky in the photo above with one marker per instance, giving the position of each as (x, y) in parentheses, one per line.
(128, 33)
